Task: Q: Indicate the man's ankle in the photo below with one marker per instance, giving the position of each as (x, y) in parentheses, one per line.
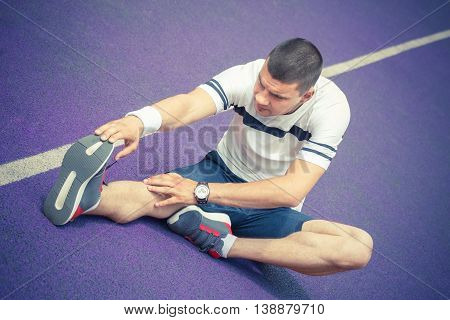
(228, 243)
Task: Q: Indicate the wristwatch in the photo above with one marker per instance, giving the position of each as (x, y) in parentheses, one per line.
(201, 192)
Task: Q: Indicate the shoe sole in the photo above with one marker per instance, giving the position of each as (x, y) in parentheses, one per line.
(81, 162)
(216, 216)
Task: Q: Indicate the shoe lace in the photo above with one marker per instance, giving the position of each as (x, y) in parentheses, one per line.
(209, 243)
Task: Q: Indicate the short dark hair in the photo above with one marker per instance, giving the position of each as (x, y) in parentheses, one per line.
(296, 60)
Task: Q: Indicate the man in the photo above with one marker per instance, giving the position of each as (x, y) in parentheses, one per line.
(243, 199)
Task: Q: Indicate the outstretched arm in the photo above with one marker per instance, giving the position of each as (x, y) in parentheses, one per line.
(176, 111)
(184, 109)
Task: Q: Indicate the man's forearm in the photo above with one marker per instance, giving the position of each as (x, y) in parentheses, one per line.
(269, 193)
(174, 112)
(184, 109)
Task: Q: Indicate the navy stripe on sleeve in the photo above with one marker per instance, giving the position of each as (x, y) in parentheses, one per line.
(223, 91)
(324, 145)
(317, 152)
(219, 93)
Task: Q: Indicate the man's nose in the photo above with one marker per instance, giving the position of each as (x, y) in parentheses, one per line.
(262, 98)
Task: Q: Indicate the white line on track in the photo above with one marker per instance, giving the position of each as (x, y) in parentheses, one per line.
(30, 166)
(376, 56)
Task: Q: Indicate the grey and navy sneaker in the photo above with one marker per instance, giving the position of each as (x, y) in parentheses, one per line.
(91, 196)
(211, 232)
(79, 184)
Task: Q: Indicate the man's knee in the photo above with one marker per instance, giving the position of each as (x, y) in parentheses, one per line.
(133, 200)
(356, 251)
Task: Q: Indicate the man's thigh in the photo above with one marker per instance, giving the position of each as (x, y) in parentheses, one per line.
(207, 170)
(269, 223)
(337, 229)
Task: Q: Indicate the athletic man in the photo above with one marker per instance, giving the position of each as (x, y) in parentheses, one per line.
(243, 199)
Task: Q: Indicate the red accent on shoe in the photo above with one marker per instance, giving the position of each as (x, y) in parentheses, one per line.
(188, 238)
(214, 254)
(210, 230)
(103, 179)
(229, 228)
(78, 213)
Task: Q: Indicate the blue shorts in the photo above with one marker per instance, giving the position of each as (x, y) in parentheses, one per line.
(245, 222)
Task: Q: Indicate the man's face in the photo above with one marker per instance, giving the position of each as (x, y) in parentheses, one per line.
(273, 97)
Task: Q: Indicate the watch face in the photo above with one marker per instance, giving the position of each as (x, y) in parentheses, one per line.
(201, 192)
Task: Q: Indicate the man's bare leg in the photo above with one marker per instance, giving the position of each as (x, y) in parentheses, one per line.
(125, 201)
(321, 248)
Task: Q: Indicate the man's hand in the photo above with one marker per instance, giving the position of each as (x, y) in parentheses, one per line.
(177, 188)
(129, 129)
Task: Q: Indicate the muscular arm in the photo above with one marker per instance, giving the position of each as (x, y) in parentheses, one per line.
(184, 109)
(176, 111)
(285, 191)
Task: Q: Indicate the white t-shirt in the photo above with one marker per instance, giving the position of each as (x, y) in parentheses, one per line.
(256, 147)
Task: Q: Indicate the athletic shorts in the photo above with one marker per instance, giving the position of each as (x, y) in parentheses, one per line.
(245, 222)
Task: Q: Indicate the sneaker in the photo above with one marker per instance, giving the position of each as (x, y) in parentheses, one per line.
(91, 196)
(73, 193)
(204, 229)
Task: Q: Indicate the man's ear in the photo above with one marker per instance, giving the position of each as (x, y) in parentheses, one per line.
(308, 95)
